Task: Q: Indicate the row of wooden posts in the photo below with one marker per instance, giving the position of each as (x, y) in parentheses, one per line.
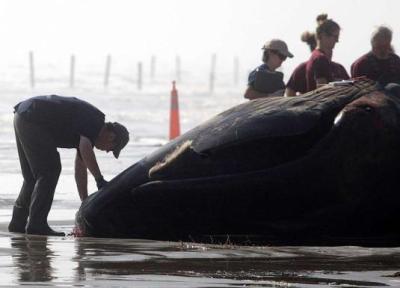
(139, 78)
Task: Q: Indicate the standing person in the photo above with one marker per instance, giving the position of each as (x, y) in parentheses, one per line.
(264, 81)
(297, 83)
(381, 63)
(42, 124)
(319, 68)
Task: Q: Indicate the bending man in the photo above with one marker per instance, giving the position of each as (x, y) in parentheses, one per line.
(42, 124)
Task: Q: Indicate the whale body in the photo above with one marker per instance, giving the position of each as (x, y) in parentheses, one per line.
(320, 168)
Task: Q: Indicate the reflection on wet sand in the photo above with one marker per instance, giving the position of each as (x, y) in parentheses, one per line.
(56, 262)
(33, 258)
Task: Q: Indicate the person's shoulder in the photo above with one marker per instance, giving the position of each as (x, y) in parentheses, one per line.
(363, 60)
(337, 65)
(394, 56)
(318, 56)
(365, 57)
(317, 60)
(262, 68)
(300, 68)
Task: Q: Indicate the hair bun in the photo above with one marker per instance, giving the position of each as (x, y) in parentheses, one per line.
(321, 18)
(310, 39)
(307, 36)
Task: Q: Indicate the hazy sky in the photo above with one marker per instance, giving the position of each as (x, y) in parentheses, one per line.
(191, 28)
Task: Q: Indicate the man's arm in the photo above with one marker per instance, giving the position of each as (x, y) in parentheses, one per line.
(254, 94)
(81, 177)
(88, 157)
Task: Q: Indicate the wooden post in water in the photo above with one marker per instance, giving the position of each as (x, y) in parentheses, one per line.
(32, 69)
(139, 76)
(212, 72)
(178, 68)
(72, 71)
(107, 72)
(152, 67)
(236, 71)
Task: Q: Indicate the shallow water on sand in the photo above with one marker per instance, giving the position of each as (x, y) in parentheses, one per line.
(88, 262)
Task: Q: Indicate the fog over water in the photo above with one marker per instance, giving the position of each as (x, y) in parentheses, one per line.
(135, 30)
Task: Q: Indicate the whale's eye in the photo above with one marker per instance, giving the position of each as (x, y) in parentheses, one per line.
(367, 108)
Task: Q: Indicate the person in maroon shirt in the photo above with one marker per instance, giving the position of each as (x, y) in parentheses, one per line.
(319, 68)
(381, 63)
(339, 72)
(297, 83)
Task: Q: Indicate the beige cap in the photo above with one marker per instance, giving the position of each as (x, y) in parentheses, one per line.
(278, 45)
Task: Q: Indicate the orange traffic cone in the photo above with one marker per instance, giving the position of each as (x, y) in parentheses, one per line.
(174, 126)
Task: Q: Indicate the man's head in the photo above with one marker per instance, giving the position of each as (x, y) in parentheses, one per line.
(381, 40)
(275, 52)
(112, 137)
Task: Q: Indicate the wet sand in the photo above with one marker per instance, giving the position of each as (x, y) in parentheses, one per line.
(38, 261)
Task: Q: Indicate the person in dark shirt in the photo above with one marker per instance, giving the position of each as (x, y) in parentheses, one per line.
(264, 81)
(381, 63)
(42, 124)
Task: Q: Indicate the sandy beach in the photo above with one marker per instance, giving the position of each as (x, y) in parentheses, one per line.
(38, 261)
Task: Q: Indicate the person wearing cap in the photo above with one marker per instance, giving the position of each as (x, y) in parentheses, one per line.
(381, 63)
(265, 81)
(42, 124)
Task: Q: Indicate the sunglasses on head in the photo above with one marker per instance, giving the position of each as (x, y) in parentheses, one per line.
(281, 56)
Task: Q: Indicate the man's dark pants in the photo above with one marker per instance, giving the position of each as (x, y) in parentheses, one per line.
(41, 167)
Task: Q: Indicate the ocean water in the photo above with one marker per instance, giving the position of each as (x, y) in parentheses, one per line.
(37, 261)
(144, 112)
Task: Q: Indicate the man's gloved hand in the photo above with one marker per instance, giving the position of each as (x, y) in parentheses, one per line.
(100, 182)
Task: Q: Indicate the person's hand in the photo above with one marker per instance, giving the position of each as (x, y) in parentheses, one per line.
(100, 182)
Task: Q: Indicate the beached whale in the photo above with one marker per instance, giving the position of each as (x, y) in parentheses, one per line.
(322, 168)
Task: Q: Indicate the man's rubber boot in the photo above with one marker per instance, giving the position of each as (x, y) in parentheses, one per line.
(42, 230)
(18, 220)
